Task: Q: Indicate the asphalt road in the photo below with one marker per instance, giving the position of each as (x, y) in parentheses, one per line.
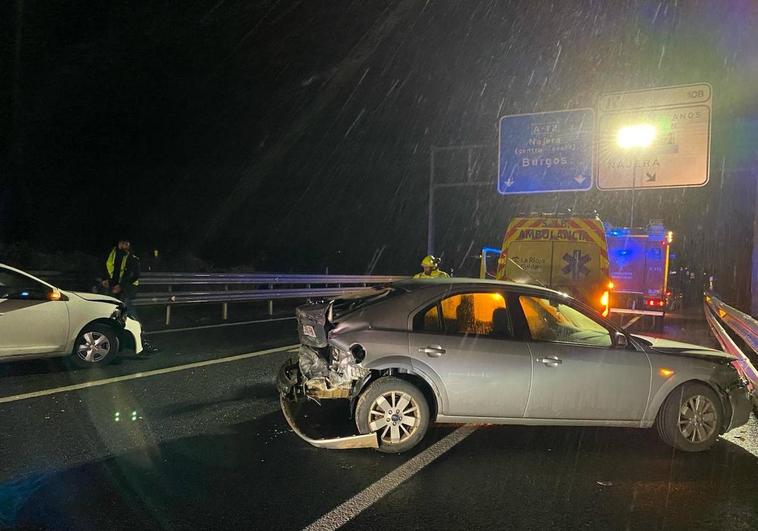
(206, 446)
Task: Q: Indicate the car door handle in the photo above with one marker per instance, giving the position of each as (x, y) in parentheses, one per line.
(550, 361)
(433, 351)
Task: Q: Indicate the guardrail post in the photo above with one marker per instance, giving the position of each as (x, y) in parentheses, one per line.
(225, 307)
(271, 302)
(168, 310)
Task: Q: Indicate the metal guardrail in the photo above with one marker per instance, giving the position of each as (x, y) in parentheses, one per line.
(249, 287)
(745, 326)
(724, 319)
(170, 289)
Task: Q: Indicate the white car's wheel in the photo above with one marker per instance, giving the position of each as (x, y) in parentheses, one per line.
(96, 345)
(396, 410)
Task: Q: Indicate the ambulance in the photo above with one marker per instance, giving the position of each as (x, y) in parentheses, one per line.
(567, 253)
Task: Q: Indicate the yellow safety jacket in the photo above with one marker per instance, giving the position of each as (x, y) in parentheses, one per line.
(110, 264)
(434, 274)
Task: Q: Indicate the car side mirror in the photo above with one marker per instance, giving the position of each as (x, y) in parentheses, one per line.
(56, 295)
(620, 340)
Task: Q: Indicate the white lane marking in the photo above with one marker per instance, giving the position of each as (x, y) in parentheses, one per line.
(135, 376)
(220, 325)
(345, 512)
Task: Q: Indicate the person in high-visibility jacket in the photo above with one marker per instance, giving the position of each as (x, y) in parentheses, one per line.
(121, 275)
(430, 266)
(121, 279)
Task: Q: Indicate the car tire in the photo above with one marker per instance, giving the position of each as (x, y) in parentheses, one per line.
(691, 418)
(386, 407)
(95, 346)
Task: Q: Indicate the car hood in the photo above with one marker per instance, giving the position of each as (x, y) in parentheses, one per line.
(95, 297)
(677, 348)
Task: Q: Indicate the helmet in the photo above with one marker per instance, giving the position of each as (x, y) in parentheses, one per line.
(430, 261)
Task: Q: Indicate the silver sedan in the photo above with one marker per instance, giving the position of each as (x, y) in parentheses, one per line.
(474, 351)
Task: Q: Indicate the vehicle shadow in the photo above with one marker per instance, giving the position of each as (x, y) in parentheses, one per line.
(57, 365)
(29, 367)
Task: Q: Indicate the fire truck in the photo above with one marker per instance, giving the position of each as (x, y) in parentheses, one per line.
(639, 265)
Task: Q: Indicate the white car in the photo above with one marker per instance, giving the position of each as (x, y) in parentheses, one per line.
(38, 320)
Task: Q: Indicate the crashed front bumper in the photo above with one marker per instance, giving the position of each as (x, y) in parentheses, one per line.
(133, 327)
(742, 402)
(292, 393)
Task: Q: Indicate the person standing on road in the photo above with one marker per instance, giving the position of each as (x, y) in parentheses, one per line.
(430, 266)
(121, 280)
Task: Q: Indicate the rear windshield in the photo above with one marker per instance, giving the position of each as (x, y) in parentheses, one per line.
(363, 299)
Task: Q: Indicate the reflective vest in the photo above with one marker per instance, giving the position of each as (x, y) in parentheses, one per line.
(110, 264)
(436, 273)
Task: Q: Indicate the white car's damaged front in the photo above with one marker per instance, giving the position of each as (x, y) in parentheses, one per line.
(93, 307)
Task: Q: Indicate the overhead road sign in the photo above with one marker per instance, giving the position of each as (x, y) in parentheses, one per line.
(546, 152)
(658, 138)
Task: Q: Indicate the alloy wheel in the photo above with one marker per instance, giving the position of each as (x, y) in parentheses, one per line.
(697, 419)
(93, 347)
(395, 415)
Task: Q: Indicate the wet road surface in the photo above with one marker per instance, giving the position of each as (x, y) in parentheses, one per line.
(205, 446)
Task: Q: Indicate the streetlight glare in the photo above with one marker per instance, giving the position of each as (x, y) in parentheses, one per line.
(636, 136)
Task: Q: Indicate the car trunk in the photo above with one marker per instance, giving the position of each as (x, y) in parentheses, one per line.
(313, 324)
(316, 319)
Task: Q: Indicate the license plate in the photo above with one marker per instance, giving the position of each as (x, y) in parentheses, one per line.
(309, 331)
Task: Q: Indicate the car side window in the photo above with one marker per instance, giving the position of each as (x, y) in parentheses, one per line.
(428, 320)
(483, 314)
(550, 320)
(14, 285)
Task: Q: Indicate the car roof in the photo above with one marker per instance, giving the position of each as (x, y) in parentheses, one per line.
(418, 283)
(411, 295)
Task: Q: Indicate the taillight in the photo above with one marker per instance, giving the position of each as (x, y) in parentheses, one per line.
(655, 302)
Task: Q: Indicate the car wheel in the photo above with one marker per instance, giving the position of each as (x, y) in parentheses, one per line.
(396, 410)
(690, 418)
(96, 345)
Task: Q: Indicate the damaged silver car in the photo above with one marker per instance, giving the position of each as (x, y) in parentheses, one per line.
(488, 352)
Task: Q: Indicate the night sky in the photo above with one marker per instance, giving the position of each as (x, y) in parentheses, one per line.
(295, 135)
